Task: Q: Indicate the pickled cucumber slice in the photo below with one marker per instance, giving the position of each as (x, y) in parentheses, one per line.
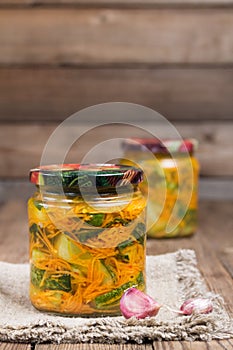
(38, 255)
(52, 282)
(68, 249)
(96, 220)
(107, 299)
(108, 272)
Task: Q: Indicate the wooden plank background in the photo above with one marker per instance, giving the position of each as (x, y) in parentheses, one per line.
(183, 3)
(114, 36)
(21, 146)
(52, 94)
(184, 345)
(175, 56)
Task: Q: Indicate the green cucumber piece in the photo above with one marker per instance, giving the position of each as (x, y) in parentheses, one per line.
(108, 271)
(125, 244)
(52, 282)
(96, 220)
(104, 300)
(84, 235)
(66, 249)
(38, 255)
(121, 247)
(190, 217)
(117, 221)
(33, 229)
(38, 205)
(139, 233)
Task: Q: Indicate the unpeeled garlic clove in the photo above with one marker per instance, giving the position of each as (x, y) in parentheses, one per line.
(197, 306)
(138, 304)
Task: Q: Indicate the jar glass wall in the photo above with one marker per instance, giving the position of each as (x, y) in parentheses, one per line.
(85, 252)
(173, 178)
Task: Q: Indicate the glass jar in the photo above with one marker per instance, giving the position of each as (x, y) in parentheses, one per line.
(87, 238)
(171, 174)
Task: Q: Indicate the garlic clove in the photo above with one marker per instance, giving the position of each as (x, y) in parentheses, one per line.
(197, 306)
(138, 304)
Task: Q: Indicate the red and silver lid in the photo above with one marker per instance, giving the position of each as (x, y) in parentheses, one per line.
(164, 146)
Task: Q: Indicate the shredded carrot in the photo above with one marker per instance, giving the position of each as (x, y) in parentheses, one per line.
(109, 256)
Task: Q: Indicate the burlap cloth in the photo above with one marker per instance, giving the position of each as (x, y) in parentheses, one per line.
(171, 278)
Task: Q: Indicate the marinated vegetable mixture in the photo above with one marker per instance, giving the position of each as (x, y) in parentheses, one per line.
(171, 184)
(82, 259)
(180, 201)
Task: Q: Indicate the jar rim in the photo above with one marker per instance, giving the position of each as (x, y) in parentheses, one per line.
(85, 176)
(161, 146)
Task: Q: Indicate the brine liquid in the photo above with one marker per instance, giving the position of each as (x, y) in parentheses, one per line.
(83, 257)
(173, 195)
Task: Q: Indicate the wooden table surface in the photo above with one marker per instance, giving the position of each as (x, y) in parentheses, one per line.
(213, 244)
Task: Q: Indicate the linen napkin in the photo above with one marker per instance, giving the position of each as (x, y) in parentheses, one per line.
(171, 279)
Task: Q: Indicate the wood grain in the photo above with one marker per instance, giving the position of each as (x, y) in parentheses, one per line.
(44, 94)
(21, 145)
(13, 224)
(10, 346)
(227, 259)
(19, 190)
(216, 188)
(100, 36)
(168, 345)
(197, 345)
(174, 345)
(119, 2)
(95, 346)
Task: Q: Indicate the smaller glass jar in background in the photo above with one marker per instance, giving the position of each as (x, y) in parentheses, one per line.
(87, 237)
(172, 171)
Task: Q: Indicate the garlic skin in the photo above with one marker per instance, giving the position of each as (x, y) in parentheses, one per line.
(138, 304)
(196, 306)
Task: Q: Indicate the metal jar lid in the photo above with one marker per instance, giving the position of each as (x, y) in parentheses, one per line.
(86, 176)
(165, 146)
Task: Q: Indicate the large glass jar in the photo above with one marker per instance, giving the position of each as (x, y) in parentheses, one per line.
(87, 237)
(171, 175)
